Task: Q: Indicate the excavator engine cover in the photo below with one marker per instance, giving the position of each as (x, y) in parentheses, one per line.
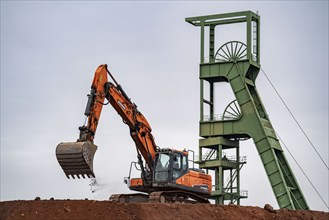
(76, 158)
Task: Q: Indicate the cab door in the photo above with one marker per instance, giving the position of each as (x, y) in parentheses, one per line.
(179, 165)
(162, 168)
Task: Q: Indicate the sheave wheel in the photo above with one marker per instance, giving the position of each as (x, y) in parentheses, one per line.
(232, 51)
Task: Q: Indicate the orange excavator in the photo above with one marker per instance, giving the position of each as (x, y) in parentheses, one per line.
(165, 173)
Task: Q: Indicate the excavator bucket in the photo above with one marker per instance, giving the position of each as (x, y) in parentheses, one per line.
(76, 158)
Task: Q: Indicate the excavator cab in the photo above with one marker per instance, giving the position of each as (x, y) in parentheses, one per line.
(172, 175)
(169, 166)
(172, 172)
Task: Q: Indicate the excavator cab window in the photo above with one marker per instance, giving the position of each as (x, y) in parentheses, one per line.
(162, 170)
(177, 162)
(179, 165)
(170, 166)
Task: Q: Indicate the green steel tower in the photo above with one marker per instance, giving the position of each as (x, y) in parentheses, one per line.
(238, 63)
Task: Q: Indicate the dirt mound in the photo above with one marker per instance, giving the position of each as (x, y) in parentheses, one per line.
(90, 209)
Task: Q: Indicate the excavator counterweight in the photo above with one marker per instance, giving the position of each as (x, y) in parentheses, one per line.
(76, 158)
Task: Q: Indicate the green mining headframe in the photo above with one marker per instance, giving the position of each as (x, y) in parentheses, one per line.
(238, 63)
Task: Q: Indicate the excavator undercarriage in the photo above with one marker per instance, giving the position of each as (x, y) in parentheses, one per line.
(175, 196)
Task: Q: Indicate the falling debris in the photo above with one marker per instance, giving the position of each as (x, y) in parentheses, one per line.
(92, 184)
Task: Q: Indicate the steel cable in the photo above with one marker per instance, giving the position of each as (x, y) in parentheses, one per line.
(306, 138)
(317, 192)
(300, 127)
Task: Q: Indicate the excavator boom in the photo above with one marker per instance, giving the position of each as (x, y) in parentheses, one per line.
(76, 158)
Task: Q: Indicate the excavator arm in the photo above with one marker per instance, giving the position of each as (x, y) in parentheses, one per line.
(140, 129)
(76, 158)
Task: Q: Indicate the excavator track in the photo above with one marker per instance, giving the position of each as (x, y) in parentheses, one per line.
(159, 197)
(76, 158)
(176, 197)
(128, 198)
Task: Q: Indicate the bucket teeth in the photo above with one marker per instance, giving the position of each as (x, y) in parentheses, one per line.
(76, 158)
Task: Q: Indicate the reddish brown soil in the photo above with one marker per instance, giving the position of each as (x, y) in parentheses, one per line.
(89, 209)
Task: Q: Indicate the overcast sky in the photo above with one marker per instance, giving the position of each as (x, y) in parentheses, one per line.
(50, 50)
